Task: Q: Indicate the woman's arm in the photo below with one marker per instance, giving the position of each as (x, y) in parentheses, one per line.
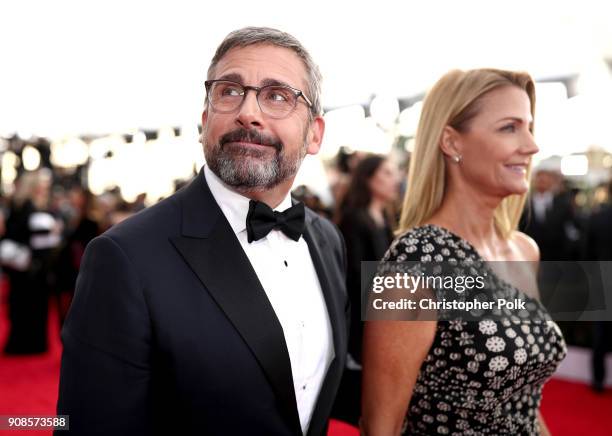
(525, 272)
(543, 428)
(392, 356)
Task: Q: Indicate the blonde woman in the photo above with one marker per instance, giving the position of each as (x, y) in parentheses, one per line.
(467, 185)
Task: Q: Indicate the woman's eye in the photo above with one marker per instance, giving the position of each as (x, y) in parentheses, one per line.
(509, 128)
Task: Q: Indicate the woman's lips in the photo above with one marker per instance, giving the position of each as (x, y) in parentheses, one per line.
(517, 168)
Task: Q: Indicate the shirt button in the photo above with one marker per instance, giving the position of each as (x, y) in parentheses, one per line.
(304, 387)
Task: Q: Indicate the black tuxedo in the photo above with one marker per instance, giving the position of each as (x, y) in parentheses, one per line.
(171, 333)
(551, 233)
(599, 247)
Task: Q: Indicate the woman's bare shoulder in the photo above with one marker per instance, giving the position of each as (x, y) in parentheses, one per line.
(526, 246)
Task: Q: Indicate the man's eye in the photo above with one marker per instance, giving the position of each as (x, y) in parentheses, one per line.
(231, 91)
(277, 95)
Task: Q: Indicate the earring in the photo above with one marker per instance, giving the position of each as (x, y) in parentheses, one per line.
(457, 158)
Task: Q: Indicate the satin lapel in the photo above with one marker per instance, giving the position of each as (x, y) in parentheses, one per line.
(217, 258)
(317, 244)
(321, 258)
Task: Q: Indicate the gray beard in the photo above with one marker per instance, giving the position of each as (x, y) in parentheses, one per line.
(248, 170)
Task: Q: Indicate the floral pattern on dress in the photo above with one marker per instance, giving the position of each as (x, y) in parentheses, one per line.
(481, 377)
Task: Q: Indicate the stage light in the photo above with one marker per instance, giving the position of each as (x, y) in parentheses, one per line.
(31, 158)
(574, 165)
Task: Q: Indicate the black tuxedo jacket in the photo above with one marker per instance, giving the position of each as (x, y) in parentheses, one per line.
(171, 333)
(550, 235)
(599, 237)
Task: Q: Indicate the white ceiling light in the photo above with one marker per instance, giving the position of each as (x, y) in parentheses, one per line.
(31, 158)
(574, 165)
(69, 153)
(384, 109)
(409, 119)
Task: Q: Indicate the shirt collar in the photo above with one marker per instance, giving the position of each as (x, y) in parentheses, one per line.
(234, 206)
(543, 196)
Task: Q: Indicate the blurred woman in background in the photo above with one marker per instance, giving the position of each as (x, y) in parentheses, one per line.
(366, 219)
(82, 227)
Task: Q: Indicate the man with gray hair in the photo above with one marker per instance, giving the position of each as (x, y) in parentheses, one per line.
(222, 310)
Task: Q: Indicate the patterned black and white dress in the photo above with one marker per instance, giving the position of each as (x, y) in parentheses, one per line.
(481, 377)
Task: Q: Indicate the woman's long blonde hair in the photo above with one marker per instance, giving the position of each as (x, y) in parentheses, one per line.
(453, 101)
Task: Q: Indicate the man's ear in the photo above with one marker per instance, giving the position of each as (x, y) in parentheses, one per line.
(204, 118)
(450, 142)
(314, 138)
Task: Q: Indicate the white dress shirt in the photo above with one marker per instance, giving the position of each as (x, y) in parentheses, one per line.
(286, 273)
(542, 202)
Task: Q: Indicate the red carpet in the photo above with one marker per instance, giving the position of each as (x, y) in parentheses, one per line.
(28, 386)
(573, 409)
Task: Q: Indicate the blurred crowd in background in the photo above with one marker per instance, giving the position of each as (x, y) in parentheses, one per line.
(49, 215)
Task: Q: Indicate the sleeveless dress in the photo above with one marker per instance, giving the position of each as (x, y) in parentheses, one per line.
(482, 377)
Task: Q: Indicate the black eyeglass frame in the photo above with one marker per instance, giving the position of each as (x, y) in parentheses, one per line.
(298, 93)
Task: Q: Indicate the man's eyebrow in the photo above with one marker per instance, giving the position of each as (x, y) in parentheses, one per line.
(234, 77)
(274, 82)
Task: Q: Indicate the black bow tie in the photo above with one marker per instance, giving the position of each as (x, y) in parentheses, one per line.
(261, 219)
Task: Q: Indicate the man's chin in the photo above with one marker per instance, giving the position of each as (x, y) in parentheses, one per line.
(246, 165)
(248, 174)
(245, 185)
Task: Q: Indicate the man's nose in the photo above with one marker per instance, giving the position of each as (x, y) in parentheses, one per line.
(249, 114)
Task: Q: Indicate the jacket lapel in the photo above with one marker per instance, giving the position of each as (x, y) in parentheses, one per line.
(317, 244)
(329, 280)
(210, 247)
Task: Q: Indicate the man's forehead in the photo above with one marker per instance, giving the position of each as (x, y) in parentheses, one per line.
(263, 63)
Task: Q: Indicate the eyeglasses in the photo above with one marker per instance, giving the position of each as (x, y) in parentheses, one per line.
(276, 101)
